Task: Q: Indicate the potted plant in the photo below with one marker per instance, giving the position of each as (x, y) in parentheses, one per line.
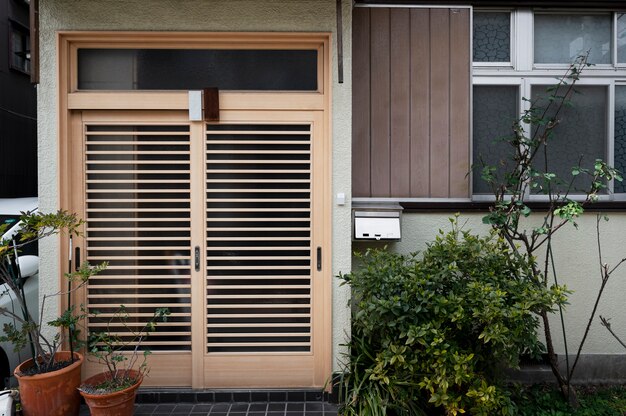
(49, 379)
(118, 348)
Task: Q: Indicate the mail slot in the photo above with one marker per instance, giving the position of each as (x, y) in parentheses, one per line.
(377, 225)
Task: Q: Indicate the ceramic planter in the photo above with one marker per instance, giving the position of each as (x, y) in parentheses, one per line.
(53, 393)
(118, 403)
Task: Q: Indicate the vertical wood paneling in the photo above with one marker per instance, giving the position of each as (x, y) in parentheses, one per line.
(411, 89)
(459, 103)
(439, 103)
(361, 103)
(400, 53)
(420, 103)
(380, 102)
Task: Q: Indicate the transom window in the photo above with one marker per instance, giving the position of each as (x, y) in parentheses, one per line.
(517, 55)
(190, 69)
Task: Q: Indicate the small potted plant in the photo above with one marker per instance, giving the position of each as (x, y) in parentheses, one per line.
(49, 379)
(118, 348)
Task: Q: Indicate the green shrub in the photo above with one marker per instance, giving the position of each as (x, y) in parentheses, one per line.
(541, 400)
(433, 331)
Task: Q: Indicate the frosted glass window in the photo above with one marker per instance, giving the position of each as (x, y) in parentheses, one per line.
(581, 133)
(560, 38)
(495, 111)
(621, 38)
(492, 37)
(620, 135)
(192, 69)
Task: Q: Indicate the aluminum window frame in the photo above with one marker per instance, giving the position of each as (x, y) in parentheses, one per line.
(564, 66)
(504, 82)
(512, 47)
(526, 73)
(617, 63)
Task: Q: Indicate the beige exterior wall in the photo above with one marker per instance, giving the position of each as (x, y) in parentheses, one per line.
(576, 257)
(196, 15)
(576, 253)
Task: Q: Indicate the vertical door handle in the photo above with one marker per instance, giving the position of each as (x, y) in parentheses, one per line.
(197, 258)
(319, 259)
(77, 258)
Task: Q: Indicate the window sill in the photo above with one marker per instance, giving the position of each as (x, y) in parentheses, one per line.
(483, 206)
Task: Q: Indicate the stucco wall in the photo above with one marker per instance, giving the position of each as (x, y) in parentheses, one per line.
(197, 15)
(576, 257)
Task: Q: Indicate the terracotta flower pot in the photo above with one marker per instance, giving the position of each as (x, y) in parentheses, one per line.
(118, 403)
(53, 393)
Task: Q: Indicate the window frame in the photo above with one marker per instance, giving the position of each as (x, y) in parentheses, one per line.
(618, 82)
(609, 124)
(501, 81)
(511, 62)
(564, 66)
(15, 27)
(526, 74)
(618, 64)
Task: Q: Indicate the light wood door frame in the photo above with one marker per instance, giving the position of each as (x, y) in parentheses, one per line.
(295, 369)
(71, 180)
(168, 368)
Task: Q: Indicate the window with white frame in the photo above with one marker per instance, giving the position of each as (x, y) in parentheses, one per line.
(517, 55)
(492, 37)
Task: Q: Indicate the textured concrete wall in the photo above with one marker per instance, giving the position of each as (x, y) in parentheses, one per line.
(197, 15)
(576, 258)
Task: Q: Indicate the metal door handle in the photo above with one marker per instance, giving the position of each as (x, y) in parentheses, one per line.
(77, 258)
(319, 259)
(197, 258)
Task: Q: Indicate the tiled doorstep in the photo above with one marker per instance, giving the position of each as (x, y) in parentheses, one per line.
(234, 409)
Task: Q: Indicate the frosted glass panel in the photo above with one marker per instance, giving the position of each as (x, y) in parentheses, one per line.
(560, 38)
(192, 69)
(621, 37)
(620, 135)
(495, 110)
(581, 132)
(492, 37)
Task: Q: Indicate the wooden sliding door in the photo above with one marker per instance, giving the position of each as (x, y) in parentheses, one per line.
(265, 291)
(222, 223)
(137, 170)
(227, 224)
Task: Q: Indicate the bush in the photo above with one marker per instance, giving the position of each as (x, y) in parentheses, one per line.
(541, 400)
(433, 331)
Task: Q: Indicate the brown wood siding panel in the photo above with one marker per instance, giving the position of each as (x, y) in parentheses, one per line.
(411, 91)
(361, 103)
(380, 102)
(439, 103)
(400, 102)
(420, 103)
(459, 103)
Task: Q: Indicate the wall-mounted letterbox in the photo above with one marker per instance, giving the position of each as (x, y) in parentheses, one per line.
(377, 225)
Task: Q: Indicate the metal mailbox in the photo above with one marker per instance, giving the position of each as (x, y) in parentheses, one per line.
(377, 225)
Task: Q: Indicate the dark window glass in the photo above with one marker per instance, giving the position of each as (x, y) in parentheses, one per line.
(579, 138)
(20, 49)
(192, 69)
(620, 136)
(621, 38)
(495, 112)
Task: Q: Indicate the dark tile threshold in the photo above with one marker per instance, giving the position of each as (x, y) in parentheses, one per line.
(230, 396)
(233, 409)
